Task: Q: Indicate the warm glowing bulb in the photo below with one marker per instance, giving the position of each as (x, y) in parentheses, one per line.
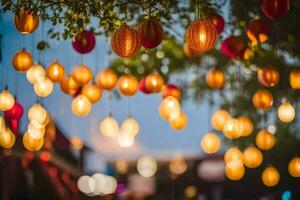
(125, 140)
(109, 127)
(233, 153)
(286, 112)
(219, 119)
(7, 139)
(232, 128)
(130, 126)
(43, 87)
(169, 107)
(270, 176)
(7, 101)
(210, 143)
(235, 170)
(35, 72)
(294, 167)
(32, 144)
(252, 157)
(37, 114)
(36, 132)
(81, 106)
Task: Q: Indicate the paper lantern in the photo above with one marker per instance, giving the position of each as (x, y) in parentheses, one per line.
(126, 41)
(252, 157)
(26, 22)
(201, 35)
(37, 113)
(275, 9)
(82, 74)
(262, 99)
(170, 90)
(22, 61)
(154, 82)
(268, 76)
(130, 126)
(43, 87)
(210, 143)
(218, 21)
(7, 139)
(128, 85)
(169, 107)
(32, 144)
(84, 42)
(215, 78)
(247, 125)
(35, 72)
(107, 79)
(151, 33)
(16, 112)
(178, 122)
(264, 140)
(235, 170)
(258, 31)
(178, 165)
(294, 167)
(294, 79)
(286, 112)
(14, 125)
(270, 176)
(7, 101)
(189, 52)
(233, 153)
(55, 71)
(109, 127)
(69, 86)
(36, 132)
(233, 47)
(125, 140)
(81, 106)
(142, 86)
(147, 166)
(92, 92)
(219, 119)
(232, 128)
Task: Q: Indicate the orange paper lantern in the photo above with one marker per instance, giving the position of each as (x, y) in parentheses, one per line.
(268, 76)
(128, 85)
(247, 125)
(189, 52)
(270, 176)
(69, 86)
(170, 90)
(107, 79)
(219, 119)
(22, 61)
(235, 170)
(233, 153)
(295, 79)
(179, 122)
(262, 99)
(252, 157)
(82, 74)
(215, 78)
(151, 33)
(26, 22)
(169, 107)
(232, 128)
(154, 82)
(210, 143)
(92, 92)
(32, 144)
(294, 167)
(55, 71)
(264, 140)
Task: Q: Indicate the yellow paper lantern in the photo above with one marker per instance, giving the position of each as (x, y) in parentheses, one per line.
(262, 99)
(286, 112)
(169, 107)
(82, 74)
(154, 82)
(92, 92)
(128, 85)
(270, 176)
(247, 125)
(232, 128)
(210, 143)
(36, 132)
(215, 78)
(69, 86)
(55, 71)
(252, 157)
(37, 113)
(234, 170)
(219, 119)
(7, 139)
(294, 79)
(178, 122)
(35, 72)
(81, 106)
(22, 61)
(109, 127)
(26, 22)
(43, 87)
(7, 101)
(32, 144)
(264, 140)
(294, 167)
(107, 79)
(233, 153)
(130, 126)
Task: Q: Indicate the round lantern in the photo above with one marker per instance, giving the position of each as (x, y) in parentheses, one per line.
(37, 113)
(218, 21)
(26, 22)
(262, 99)
(170, 90)
(81, 105)
(22, 61)
(252, 157)
(92, 92)
(151, 33)
(7, 139)
(264, 140)
(286, 112)
(84, 42)
(234, 170)
(178, 122)
(178, 165)
(7, 101)
(128, 85)
(294, 167)
(169, 107)
(35, 72)
(82, 74)
(210, 143)
(189, 52)
(109, 127)
(201, 35)
(43, 87)
(233, 47)
(142, 86)
(130, 126)
(232, 128)
(219, 119)
(69, 86)
(107, 79)
(55, 71)
(32, 144)
(34, 132)
(294, 79)
(154, 82)
(16, 112)
(258, 31)
(215, 78)
(233, 153)
(275, 9)
(147, 166)
(125, 42)
(270, 176)
(268, 76)
(247, 125)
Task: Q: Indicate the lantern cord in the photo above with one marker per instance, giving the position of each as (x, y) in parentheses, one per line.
(155, 60)
(81, 59)
(149, 11)
(23, 41)
(125, 11)
(129, 107)
(109, 102)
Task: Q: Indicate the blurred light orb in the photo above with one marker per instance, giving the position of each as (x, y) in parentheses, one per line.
(234, 170)
(211, 170)
(125, 140)
(178, 165)
(35, 72)
(264, 140)
(215, 78)
(170, 90)
(7, 101)
(2, 124)
(169, 107)
(233, 153)
(210, 143)
(130, 126)
(262, 99)
(294, 167)
(121, 166)
(109, 127)
(81, 106)
(107, 79)
(178, 122)
(252, 157)
(286, 112)
(232, 128)
(128, 85)
(219, 119)
(82, 74)
(35, 132)
(92, 92)
(247, 125)
(190, 192)
(32, 144)
(37, 113)
(294, 79)
(287, 195)
(7, 139)
(55, 71)
(43, 87)
(22, 61)
(270, 176)
(104, 184)
(154, 82)
(76, 143)
(86, 184)
(147, 166)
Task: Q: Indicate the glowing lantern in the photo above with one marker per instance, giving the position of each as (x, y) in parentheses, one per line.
(189, 52)
(13, 115)
(201, 35)
(233, 47)
(294, 167)
(275, 9)
(215, 78)
(233, 153)
(55, 71)
(154, 82)
(92, 92)
(69, 86)
(286, 112)
(146, 166)
(7, 101)
(84, 42)
(109, 127)
(151, 33)
(128, 85)
(258, 31)
(178, 165)
(125, 140)
(170, 90)
(232, 128)
(218, 21)
(36, 132)
(22, 61)
(262, 99)
(35, 72)
(107, 79)
(252, 157)
(43, 87)
(294, 79)
(81, 106)
(247, 125)
(82, 74)
(37, 113)
(125, 42)
(219, 119)
(169, 107)
(32, 144)
(264, 140)
(7, 139)
(178, 122)
(235, 170)
(268, 76)
(130, 126)
(270, 176)
(26, 22)
(142, 86)
(210, 143)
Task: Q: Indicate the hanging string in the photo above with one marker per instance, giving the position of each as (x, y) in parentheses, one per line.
(125, 11)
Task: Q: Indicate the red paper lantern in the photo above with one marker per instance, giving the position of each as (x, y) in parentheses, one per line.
(275, 9)
(14, 125)
(233, 47)
(126, 41)
(189, 52)
(171, 90)
(268, 76)
(218, 21)
(16, 112)
(142, 86)
(258, 31)
(84, 42)
(151, 33)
